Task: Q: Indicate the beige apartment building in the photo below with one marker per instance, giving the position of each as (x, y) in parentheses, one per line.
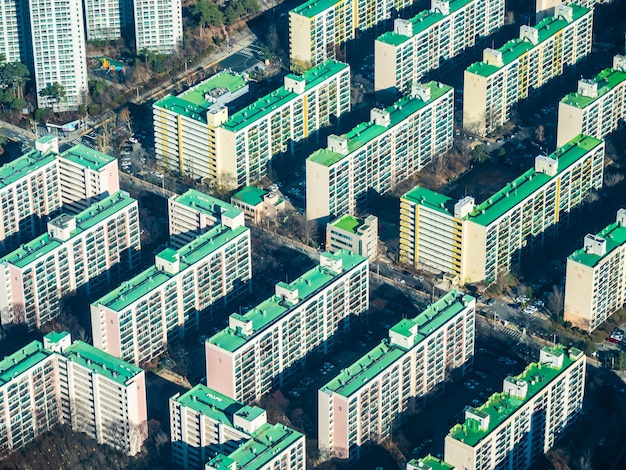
(492, 88)
(598, 107)
(366, 401)
(266, 345)
(595, 281)
(421, 44)
(258, 204)
(479, 242)
(545, 8)
(359, 235)
(516, 426)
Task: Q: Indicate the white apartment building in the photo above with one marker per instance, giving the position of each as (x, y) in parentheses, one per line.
(204, 422)
(258, 205)
(85, 252)
(13, 17)
(421, 44)
(376, 155)
(477, 243)
(544, 8)
(353, 234)
(365, 402)
(194, 213)
(516, 426)
(137, 320)
(493, 87)
(428, 463)
(262, 347)
(59, 56)
(44, 384)
(104, 19)
(205, 142)
(158, 25)
(595, 281)
(597, 108)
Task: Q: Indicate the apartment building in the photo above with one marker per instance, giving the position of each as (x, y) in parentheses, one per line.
(480, 242)
(493, 87)
(597, 108)
(544, 8)
(82, 253)
(193, 213)
(421, 44)
(595, 281)
(262, 347)
(13, 41)
(516, 426)
(104, 19)
(258, 204)
(137, 320)
(428, 463)
(158, 26)
(376, 155)
(57, 381)
(359, 235)
(205, 142)
(366, 401)
(57, 31)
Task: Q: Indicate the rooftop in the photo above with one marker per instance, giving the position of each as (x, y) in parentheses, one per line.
(514, 192)
(500, 406)
(368, 367)
(615, 236)
(263, 447)
(313, 8)
(430, 463)
(347, 223)
(95, 214)
(607, 80)
(207, 204)
(274, 308)
(250, 195)
(145, 282)
(89, 158)
(22, 360)
(278, 98)
(101, 363)
(515, 48)
(21, 167)
(366, 132)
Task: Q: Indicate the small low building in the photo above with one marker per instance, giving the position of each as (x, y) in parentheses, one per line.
(351, 233)
(258, 204)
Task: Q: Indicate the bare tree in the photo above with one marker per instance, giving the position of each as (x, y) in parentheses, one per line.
(556, 301)
(123, 118)
(611, 179)
(308, 230)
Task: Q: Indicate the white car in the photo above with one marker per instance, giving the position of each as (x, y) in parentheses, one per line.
(133, 140)
(158, 174)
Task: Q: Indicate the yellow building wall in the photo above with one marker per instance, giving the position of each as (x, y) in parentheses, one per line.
(300, 38)
(474, 102)
(570, 124)
(384, 66)
(474, 253)
(578, 295)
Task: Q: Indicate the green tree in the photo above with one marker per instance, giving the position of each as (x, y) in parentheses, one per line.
(55, 92)
(14, 75)
(206, 14)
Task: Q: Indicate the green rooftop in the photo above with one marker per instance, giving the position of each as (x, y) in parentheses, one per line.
(192, 103)
(101, 363)
(21, 167)
(56, 336)
(145, 282)
(430, 463)
(615, 236)
(281, 97)
(21, 361)
(366, 132)
(206, 204)
(312, 8)
(250, 195)
(87, 157)
(607, 80)
(272, 309)
(375, 362)
(515, 48)
(514, 192)
(347, 223)
(90, 217)
(500, 406)
(265, 444)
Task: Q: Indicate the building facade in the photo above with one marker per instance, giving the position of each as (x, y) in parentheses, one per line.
(158, 26)
(421, 44)
(365, 402)
(258, 204)
(265, 345)
(137, 321)
(377, 155)
(597, 108)
(235, 150)
(104, 19)
(57, 381)
(82, 253)
(13, 39)
(516, 426)
(595, 281)
(193, 213)
(493, 87)
(57, 30)
(480, 242)
(353, 234)
(544, 8)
